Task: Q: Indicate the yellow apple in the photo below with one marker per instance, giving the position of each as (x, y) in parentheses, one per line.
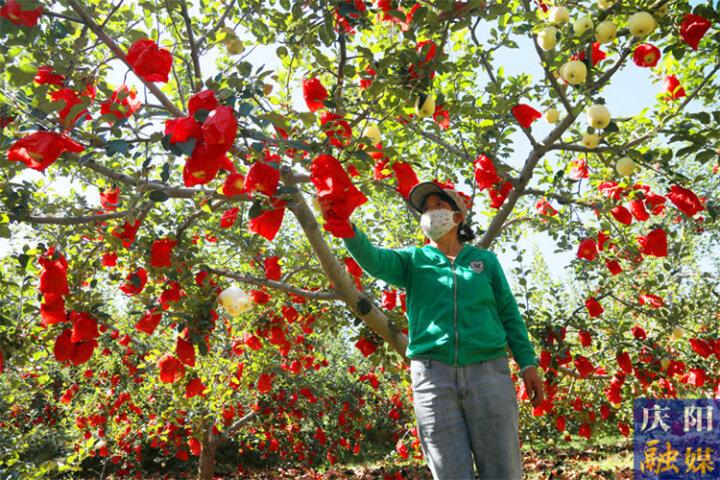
(662, 11)
(677, 333)
(552, 115)
(558, 15)
(625, 166)
(605, 4)
(373, 133)
(590, 140)
(665, 363)
(235, 301)
(641, 24)
(582, 25)
(235, 47)
(316, 204)
(547, 38)
(598, 116)
(605, 31)
(574, 72)
(427, 107)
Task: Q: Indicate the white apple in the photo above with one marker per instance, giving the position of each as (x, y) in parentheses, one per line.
(558, 15)
(605, 4)
(373, 133)
(582, 25)
(574, 72)
(625, 166)
(427, 108)
(547, 38)
(590, 140)
(234, 300)
(605, 31)
(598, 116)
(641, 24)
(552, 115)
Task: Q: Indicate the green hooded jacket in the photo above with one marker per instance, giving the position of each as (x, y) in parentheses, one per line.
(459, 312)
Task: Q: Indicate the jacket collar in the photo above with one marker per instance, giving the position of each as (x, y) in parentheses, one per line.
(465, 247)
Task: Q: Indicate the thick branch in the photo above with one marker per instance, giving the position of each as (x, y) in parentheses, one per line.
(233, 428)
(81, 219)
(282, 286)
(358, 303)
(534, 156)
(171, 191)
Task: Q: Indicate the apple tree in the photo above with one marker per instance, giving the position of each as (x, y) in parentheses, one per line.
(188, 165)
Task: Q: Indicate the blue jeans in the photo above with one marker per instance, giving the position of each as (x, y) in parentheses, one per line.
(464, 413)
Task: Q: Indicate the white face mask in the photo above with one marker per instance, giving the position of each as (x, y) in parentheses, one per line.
(436, 223)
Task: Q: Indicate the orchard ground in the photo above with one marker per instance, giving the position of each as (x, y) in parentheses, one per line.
(609, 457)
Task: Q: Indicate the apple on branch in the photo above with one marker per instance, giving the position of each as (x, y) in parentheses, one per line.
(641, 24)
(582, 25)
(590, 140)
(373, 133)
(625, 166)
(598, 116)
(235, 301)
(574, 72)
(606, 31)
(424, 105)
(558, 15)
(547, 38)
(552, 115)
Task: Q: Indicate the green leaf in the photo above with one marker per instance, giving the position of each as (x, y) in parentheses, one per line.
(23, 260)
(363, 155)
(255, 209)
(201, 115)
(116, 146)
(165, 173)
(706, 155)
(245, 109)
(611, 128)
(158, 196)
(186, 147)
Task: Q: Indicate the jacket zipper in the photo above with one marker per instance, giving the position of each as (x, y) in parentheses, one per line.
(452, 265)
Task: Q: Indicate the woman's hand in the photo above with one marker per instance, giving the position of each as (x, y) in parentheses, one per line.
(533, 386)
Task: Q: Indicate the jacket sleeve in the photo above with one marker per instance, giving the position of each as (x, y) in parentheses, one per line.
(511, 319)
(389, 265)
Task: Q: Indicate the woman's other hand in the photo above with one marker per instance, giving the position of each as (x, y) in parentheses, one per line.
(533, 386)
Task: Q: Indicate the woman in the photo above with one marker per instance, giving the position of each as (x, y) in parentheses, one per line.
(461, 315)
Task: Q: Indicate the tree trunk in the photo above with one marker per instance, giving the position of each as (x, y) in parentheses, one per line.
(206, 467)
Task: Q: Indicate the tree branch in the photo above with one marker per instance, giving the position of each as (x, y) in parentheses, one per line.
(81, 219)
(282, 286)
(193, 47)
(534, 156)
(358, 303)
